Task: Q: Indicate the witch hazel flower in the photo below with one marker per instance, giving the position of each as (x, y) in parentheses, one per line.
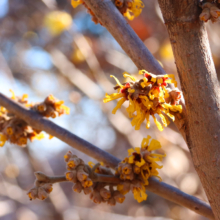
(147, 97)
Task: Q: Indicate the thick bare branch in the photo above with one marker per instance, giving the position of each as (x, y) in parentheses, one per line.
(160, 188)
(201, 91)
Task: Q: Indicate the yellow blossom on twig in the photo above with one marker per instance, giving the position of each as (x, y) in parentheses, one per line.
(148, 96)
(138, 167)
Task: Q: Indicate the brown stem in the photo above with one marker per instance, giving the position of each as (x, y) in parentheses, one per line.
(201, 91)
(57, 179)
(37, 121)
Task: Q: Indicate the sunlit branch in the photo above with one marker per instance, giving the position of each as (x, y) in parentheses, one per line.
(37, 121)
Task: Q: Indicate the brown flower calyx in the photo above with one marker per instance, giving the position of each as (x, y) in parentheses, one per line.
(42, 187)
(85, 178)
(210, 11)
(16, 130)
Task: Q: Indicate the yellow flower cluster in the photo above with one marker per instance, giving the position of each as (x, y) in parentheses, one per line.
(128, 8)
(147, 96)
(210, 11)
(138, 167)
(16, 130)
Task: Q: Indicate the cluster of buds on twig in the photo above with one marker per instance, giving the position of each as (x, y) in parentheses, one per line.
(99, 182)
(42, 187)
(138, 167)
(17, 131)
(210, 11)
(147, 96)
(85, 178)
(51, 107)
(128, 8)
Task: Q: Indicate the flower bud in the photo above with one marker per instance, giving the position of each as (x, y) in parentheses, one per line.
(106, 194)
(87, 190)
(112, 201)
(32, 193)
(215, 11)
(87, 183)
(67, 156)
(77, 187)
(124, 187)
(71, 176)
(73, 162)
(118, 197)
(81, 174)
(96, 197)
(48, 187)
(42, 194)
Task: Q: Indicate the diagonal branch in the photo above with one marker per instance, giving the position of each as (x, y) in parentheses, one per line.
(37, 121)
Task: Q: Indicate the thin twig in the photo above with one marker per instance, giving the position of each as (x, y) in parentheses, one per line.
(58, 179)
(169, 192)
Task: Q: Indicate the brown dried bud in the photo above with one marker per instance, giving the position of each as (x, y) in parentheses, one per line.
(81, 174)
(112, 201)
(32, 193)
(48, 187)
(71, 176)
(87, 190)
(205, 15)
(126, 187)
(215, 11)
(77, 187)
(118, 197)
(106, 194)
(42, 194)
(67, 156)
(96, 197)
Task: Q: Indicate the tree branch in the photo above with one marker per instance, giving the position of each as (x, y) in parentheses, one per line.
(201, 91)
(37, 121)
(58, 179)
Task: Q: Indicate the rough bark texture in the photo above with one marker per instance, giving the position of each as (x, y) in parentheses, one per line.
(200, 87)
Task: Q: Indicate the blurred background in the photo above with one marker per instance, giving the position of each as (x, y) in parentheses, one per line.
(72, 58)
